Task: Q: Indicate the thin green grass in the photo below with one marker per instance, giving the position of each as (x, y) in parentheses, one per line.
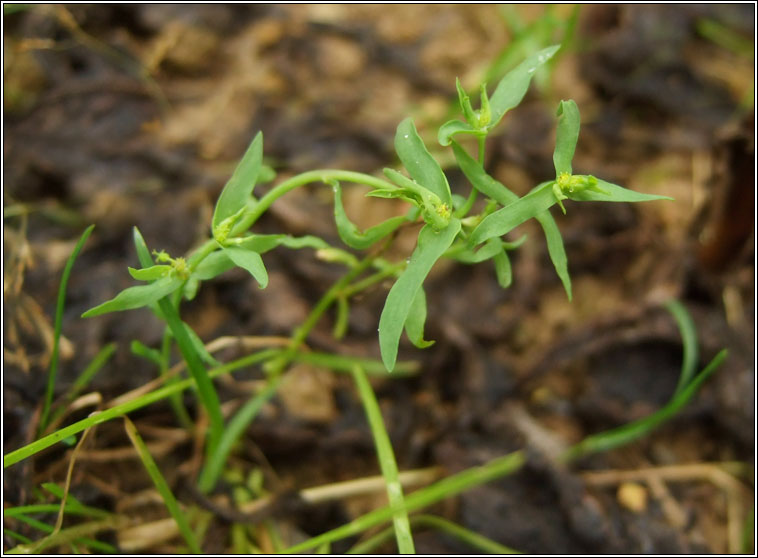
(233, 432)
(387, 463)
(100, 417)
(466, 536)
(162, 486)
(77, 534)
(83, 380)
(60, 305)
(689, 342)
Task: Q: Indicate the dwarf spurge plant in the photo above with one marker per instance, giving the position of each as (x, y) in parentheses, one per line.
(450, 227)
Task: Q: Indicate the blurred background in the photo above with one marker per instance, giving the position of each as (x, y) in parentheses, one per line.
(124, 115)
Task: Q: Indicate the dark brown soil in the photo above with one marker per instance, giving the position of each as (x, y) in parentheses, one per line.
(135, 115)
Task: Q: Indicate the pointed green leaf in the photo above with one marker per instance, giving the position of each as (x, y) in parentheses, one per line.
(239, 188)
(398, 194)
(140, 349)
(465, 103)
(503, 270)
(613, 193)
(566, 136)
(266, 174)
(351, 235)
(480, 179)
(251, 261)
(136, 297)
(431, 245)
(469, 255)
(190, 288)
(150, 273)
(508, 218)
(212, 266)
(143, 253)
(414, 323)
(515, 84)
(555, 249)
(452, 127)
(420, 164)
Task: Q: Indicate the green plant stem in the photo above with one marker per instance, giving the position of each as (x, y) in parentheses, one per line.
(57, 329)
(175, 400)
(260, 206)
(387, 462)
(301, 333)
(205, 388)
(466, 207)
(326, 176)
(371, 280)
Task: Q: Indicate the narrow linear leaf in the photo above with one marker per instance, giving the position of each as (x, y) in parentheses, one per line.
(162, 486)
(140, 349)
(470, 256)
(387, 462)
(251, 261)
(515, 84)
(480, 179)
(506, 219)
(240, 186)
(689, 342)
(556, 249)
(58, 326)
(351, 235)
(151, 273)
(136, 297)
(422, 167)
(431, 245)
(414, 323)
(566, 136)
(503, 270)
(610, 439)
(233, 431)
(613, 193)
